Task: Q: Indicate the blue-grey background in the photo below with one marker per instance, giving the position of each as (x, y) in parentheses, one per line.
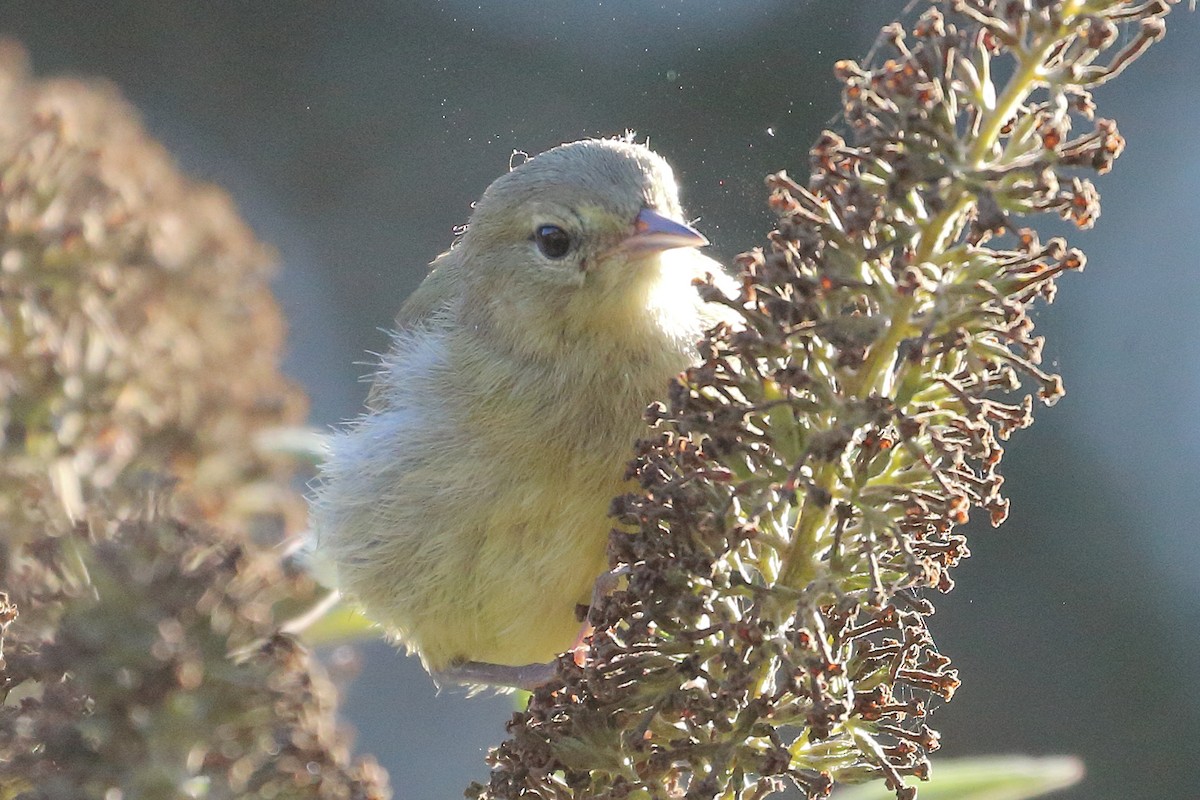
(354, 136)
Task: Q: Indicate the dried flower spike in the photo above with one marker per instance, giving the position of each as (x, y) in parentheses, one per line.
(802, 492)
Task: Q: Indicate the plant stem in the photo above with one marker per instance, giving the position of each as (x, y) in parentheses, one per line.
(799, 564)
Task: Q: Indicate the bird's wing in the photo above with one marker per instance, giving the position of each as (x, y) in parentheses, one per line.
(434, 294)
(439, 286)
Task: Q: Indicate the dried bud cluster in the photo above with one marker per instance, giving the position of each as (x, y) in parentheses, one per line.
(803, 490)
(137, 327)
(164, 676)
(139, 339)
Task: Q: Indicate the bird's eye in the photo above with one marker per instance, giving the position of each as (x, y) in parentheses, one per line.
(552, 241)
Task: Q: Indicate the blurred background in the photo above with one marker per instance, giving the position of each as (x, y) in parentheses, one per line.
(354, 137)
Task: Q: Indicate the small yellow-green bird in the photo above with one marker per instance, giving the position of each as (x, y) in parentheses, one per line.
(467, 511)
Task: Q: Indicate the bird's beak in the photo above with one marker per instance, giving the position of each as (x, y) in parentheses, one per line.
(652, 231)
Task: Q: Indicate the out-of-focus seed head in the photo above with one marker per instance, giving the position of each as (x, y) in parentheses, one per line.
(139, 349)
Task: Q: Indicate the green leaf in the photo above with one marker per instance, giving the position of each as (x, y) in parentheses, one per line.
(339, 625)
(304, 444)
(985, 778)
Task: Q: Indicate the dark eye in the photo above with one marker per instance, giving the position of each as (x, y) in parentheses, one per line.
(552, 241)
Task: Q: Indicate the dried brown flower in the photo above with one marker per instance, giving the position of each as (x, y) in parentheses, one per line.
(801, 497)
(139, 345)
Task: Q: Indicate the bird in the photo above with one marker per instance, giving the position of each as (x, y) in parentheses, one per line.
(466, 510)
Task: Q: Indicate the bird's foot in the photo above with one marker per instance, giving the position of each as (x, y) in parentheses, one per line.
(527, 676)
(604, 585)
(607, 582)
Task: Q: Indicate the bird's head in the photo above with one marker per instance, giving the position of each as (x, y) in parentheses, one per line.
(582, 236)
